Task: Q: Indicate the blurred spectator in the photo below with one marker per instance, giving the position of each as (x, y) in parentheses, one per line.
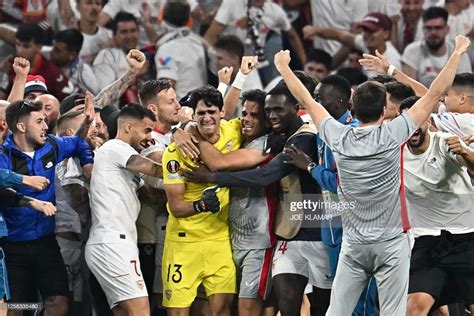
(111, 63)
(95, 37)
(3, 122)
(29, 39)
(354, 76)
(34, 87)
(352, 60)
(423, 60)
(187, 70)
(260, 25)
(50, 109)
(408, 27)
(338, 14)
(375, 35)
(318, 64)
(460, 21)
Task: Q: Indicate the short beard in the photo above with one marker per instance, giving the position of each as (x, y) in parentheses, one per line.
(435, 46)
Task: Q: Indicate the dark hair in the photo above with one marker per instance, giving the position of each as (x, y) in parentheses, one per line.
(340, 85)
(208, 94)
(176, 12)
(282, 89)
(18, 109)
(231, 44)
(464, 81)
(383, 79)
(408, 103)
(369, 101)
(307, 80)
(136, 111)
(122, 17)
(66, 117)
(151, 88)
(434, 13)
(319, 56)
(354, 76)
(73, 39)
(399, 91)
(28, 32)
(258, 96)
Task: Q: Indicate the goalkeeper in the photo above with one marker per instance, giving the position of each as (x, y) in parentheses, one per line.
(197, 245)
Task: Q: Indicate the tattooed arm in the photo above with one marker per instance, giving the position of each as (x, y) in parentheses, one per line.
(110, 94)
(140, 164)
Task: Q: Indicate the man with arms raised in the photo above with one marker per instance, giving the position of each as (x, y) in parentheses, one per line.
(373, 213)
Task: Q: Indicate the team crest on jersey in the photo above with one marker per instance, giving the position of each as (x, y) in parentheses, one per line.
(140, 284)
(173, 166)
(229, 145)
(168, 294)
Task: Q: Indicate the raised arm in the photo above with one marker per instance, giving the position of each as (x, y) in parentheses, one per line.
(317, 112)
(112, 93)
(231, 99)
(21, 67)
(381, 65)
(422, 109)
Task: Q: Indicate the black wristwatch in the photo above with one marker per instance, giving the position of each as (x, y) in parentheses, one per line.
(311, 166)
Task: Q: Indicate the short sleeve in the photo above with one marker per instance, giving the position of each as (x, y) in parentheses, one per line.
(224, 13)
(166, 63)
(401, 128)
(119, 153)
(330, 130)
(172, 165)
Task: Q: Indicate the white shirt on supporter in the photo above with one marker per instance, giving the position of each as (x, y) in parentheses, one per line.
(113, 195)
(439, 192)
(417, 56)
(53, 17)
(460, 24)
(337, 14)
(231, 12)
(181, 57)
(93, 44)
(134, 7)
(109, 65)
(391, 53)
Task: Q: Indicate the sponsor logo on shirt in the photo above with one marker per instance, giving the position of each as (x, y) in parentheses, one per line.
(48, 165)
(164, 60)
(168, 294)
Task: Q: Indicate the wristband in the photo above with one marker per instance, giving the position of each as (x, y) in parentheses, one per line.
(222, 87)
(239, 80)
(391, 69)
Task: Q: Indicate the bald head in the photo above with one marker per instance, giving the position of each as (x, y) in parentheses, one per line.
(50, 108)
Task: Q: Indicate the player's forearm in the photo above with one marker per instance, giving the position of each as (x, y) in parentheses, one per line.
(181, 208)
(468, 157)
(418, 87)
(231, 101)
(112, 93)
